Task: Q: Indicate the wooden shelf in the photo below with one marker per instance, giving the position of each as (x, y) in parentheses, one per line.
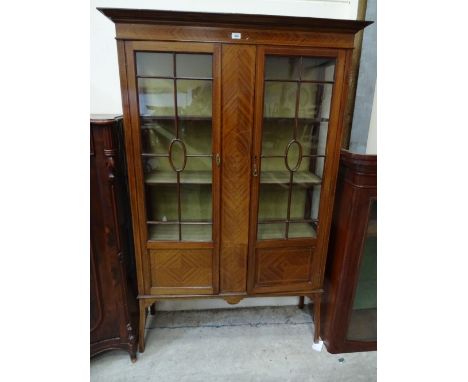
(277, 231)
(195, 232)
(282, 177)
(300, 119)
(195, 118)
(186, 177)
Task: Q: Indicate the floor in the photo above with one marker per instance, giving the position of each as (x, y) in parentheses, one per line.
(242, 345)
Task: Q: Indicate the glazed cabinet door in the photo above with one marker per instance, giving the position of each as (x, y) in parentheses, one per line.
(295, 156)
(174, 108)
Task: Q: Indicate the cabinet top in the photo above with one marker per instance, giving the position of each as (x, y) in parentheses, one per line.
(103, 119)
(145, 16)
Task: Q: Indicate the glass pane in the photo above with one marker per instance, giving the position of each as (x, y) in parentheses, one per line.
(293, 155)
(363, 322)
(315, 202)
(280, 99)
(274, 171)
(155, 64)
(294, 137)
(161, 202)
(156, 97)
(194, 98)
(313, 137)
(271, 231)
(194, 65)
(163, 232)
(305, 202)
(276, 135)
(196, 135)
(158, 170)
(200, 165)
(300, 203)
(318, 69)
(196, 232)
(178, 155)
(317, 166)
(156, 136)
(315, 100)
(195, 200)
(302, 230)
(282, 68)
(273, 203)
(168, 134)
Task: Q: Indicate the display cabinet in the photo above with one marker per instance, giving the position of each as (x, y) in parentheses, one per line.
(350, 309)
(114, 309)
(233, 128)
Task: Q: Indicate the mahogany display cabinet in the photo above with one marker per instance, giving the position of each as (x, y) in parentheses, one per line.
(114, 308)
(350, 309)
(233, 126)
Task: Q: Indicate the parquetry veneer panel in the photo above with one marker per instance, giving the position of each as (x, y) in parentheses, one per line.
(181, 268)
(238, 71)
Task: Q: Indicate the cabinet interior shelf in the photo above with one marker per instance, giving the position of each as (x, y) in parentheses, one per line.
(277, 231)
(299, 119)
(205, 177)
(154, 118)
(186, 177)
(190, 232)
(282, 177)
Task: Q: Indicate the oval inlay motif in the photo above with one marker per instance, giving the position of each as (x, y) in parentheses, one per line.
(177, 155)
(293, 150)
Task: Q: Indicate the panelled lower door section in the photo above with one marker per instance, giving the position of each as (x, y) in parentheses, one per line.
(175, 132)
(295, 89)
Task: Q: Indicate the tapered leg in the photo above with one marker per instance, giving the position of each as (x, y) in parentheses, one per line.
(301, 302)
(317, 302)
(153, 309)
(133, 357)
(141, 341)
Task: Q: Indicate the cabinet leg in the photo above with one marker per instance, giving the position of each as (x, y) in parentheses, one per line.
(301, 302)
(133, 357)
(141, 331)
(153, 309)
(317, 302)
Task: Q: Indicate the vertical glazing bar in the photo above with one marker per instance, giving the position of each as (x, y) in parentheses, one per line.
(177, 137)
(298, 96)
(178, 205)
(291, 176)
(175, 96)
(296, 123)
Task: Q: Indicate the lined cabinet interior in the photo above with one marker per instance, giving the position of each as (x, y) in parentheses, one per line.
(175, 106)
(231, 157)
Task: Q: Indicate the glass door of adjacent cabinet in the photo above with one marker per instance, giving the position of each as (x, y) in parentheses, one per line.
(291, 156)
(175, 106)
(363, 319)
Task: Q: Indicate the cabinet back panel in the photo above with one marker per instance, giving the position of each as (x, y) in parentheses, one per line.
(238, 72)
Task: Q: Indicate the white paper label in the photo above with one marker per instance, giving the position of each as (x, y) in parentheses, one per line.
(236, 36)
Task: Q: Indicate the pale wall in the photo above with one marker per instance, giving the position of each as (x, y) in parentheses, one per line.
(371, 147)
(105, 88)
